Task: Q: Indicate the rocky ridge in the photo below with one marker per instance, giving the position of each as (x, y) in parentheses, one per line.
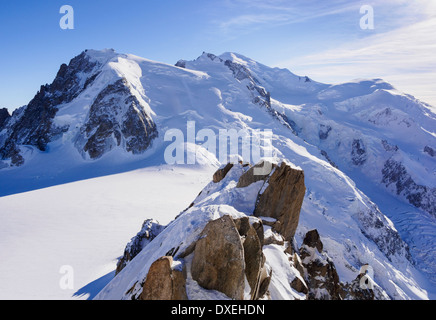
(227, 256)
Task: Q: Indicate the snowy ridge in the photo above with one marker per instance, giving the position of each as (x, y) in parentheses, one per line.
(355, 142)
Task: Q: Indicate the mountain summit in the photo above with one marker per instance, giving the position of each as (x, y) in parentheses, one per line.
(366, 149)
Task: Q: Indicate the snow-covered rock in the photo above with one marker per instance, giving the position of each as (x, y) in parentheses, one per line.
(367, 152)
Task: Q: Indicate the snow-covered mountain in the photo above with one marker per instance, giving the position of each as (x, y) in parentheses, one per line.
(367, 151)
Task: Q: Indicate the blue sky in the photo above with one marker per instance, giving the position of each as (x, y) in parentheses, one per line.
(321, 39)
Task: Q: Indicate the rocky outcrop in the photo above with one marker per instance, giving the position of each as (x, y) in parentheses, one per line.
(324, 131)
(221, 173)
(218, 262)
(282, 199)
(164, 282)
(358, 152)
(116, 118)
(229, 254)
(396, 177)
(429, 150)
(4, 116)
(150, 230)
(320, 273)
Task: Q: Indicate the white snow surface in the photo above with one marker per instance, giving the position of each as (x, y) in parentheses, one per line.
(90, 209)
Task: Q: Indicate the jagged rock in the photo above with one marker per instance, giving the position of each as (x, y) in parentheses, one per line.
(221, 173)
(254, 260)
(354, 290)
(313, 240)
(250, 177)
(395, 175)
(150, 230)
(324, 131)
(164, 282)
(104, 130)
(427, 149)
(218, 262)
(299, 285)
(388, 147)
(4, 115)
(358, 152)
(320, 272)
(181, 64)
(329, 160)
(282, 199)
(227, 252)
(273, 237)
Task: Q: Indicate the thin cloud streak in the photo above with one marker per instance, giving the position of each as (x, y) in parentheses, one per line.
(406, 57)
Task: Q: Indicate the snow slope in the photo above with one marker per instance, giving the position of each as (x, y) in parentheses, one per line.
(366, 150)
(85, 225)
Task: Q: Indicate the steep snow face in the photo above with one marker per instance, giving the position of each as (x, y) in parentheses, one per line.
(365, 148)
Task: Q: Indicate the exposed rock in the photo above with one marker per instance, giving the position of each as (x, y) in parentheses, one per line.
(254, 260)
(218, 262)
(163, 282)
(103, 130)
(252, 176)
(324, 131)
(221, 173)
(388, 147)
(282, 199)
(227, 252)
(313, 240)
(273, 237)
(427, 149)
(329, 160)
(4, 115)
(150, 230)
(34, 125)
(299, 285)
(181, 64)
(395, 175)
(358, 152)
(320, 272)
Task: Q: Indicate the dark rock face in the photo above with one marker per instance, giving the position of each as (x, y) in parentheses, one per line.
(150, 230)
(313, 240)
(34, 124)
(181, 64)
(324, 131)
(358, 152)
(221, 173)
(430, 151)
(4, 116)
(103, 130)
(321, 275)
(396, 175)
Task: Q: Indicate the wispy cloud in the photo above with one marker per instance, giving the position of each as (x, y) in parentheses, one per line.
(405, 56)
(253, 14)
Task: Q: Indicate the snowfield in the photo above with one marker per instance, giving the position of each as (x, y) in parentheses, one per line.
(85, 225)
(83, 189)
